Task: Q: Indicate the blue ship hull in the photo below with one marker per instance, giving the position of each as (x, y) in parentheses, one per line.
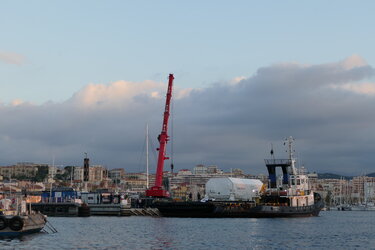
(18, 233)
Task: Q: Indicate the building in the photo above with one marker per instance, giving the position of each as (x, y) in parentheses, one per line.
(52, 171)
(200, 169)
(24, 169)
(213, 170)
(78, 174)
(97, 173)
(136, 182)
(369, 191)
(116, 175)
(237, 172)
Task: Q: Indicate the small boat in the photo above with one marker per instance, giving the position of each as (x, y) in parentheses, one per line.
(344, 207)
(363, 207)
(290, 196)
(16, 219)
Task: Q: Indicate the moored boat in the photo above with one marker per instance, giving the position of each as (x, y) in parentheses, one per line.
(20, 220)
(289, 196)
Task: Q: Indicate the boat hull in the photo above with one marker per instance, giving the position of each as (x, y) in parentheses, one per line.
(10, 233)
(233, 210)
(28, 224)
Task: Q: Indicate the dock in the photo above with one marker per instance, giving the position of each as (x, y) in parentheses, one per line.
(140, 212)
(68, 209)
(105, 209)
(61, 209)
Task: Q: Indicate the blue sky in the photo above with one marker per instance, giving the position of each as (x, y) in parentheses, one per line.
(68, 44)
(247, 73)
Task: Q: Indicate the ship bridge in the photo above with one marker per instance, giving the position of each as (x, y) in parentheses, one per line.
(272, 164)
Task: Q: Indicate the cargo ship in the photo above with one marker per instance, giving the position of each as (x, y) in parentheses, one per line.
(286, 196)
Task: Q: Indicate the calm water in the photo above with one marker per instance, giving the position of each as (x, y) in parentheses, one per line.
(331, 230)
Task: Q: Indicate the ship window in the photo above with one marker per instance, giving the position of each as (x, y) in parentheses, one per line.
(298, 182)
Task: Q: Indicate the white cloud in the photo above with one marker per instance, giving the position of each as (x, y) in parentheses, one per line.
(230, 125)
(353, 62)
(237, 79)
(359, 88)
(17, 102)
(122, 93)
(12, 58)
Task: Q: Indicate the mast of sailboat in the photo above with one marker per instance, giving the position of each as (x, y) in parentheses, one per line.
(53, 169)
(147, 177)
(10, 184)
(341, 191)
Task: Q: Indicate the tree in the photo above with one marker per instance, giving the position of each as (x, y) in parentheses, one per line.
(328, 198)
(68, 173)
(166, 183)
(41, 174)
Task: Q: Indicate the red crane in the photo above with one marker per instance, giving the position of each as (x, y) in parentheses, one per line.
(157, 190)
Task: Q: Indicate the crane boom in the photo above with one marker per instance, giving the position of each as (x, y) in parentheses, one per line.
(157, 190)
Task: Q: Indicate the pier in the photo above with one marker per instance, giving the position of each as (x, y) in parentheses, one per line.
(68, 209)
(62, 209)
(140, 212)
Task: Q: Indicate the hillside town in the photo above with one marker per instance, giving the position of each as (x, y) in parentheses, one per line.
(184, 184)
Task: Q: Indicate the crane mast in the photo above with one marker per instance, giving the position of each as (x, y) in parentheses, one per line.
(157, 190)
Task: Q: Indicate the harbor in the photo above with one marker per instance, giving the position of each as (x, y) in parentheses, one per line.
(197, 125)
(92, 190)
(66, 202)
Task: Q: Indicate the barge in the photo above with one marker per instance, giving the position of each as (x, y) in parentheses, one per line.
(288, 196)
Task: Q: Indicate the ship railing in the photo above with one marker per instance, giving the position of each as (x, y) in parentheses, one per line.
(304, 208)
(276, 204)
(58, 200)
(294, 192)
(278, 162)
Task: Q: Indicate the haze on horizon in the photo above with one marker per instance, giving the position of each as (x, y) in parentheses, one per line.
(88, 76)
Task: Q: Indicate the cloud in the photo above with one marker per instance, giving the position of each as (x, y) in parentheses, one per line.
(353, 61)
(12, 58)
(328, 108)
(121, 93)
(237, 79)
(359, 88)
(17, 102)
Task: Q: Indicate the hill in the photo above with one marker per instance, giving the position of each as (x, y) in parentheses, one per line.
(333, 176)
(337, 176)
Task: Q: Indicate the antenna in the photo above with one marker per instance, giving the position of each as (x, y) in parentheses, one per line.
(272, 152)
(290, 150)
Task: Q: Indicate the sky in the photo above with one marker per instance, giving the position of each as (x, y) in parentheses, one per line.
(87, 76)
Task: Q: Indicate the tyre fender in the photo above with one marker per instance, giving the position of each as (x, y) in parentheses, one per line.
(16, 223)
(3, 222)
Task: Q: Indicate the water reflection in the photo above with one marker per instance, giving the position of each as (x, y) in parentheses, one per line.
(161, 228)
(330, 230)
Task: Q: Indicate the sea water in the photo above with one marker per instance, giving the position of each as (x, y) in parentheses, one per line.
(330, 230)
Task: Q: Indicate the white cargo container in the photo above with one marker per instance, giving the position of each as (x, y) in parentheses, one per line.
(232, 189)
